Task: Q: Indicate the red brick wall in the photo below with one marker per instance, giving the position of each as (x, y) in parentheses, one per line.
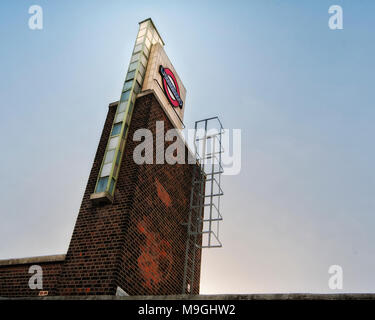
(138, 241)
(14, 279)
(152, 258)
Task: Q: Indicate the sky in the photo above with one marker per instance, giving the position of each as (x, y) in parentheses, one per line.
(301, 93)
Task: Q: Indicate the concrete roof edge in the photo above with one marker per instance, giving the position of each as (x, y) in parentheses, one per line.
(275, 296)
(29, 260)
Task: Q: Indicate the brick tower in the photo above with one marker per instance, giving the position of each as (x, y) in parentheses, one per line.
(129, 237)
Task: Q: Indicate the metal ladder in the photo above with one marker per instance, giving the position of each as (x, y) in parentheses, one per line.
(205, 188)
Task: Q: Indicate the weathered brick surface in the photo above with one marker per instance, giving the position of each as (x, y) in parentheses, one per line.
(152, 258)
(138, 241)
(14, 279)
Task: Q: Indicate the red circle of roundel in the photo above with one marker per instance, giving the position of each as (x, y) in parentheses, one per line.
(171, 99)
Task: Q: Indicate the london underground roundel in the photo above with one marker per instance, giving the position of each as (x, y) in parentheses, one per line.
(170, 86)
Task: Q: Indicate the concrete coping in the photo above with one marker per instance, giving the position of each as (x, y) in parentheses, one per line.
(29, 260)
(224, 297)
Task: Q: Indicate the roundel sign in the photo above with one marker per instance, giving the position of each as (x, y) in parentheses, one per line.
(170, 86)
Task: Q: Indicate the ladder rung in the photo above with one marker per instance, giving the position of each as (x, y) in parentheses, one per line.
(214, 219)
(213, 153)
(214, 195)
(215, 172)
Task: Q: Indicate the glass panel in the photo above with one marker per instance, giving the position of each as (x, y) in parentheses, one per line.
(127, 85)
(106, 170)
(135, 57)
(125, 95)
(122, 107)
(142, 32)
(120, 117)
(118, 157)
(130, 75)
(146, 51)
(111, 186)
(115, 170)
(138, 48)
(122, 144)
(144, 60)
(139, 78)
(113, 142)
(130, 107)
(102, 184)
(139, 40)
(125, 129)
(137, 87)
(116, 129)
(133, 66)
(149, 34)
(141, 69)
(109, 156)
(148, 43)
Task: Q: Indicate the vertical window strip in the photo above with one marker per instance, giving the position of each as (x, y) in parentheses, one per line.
(137, 66)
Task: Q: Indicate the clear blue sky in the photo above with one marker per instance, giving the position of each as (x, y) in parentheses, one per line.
(302, 94)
